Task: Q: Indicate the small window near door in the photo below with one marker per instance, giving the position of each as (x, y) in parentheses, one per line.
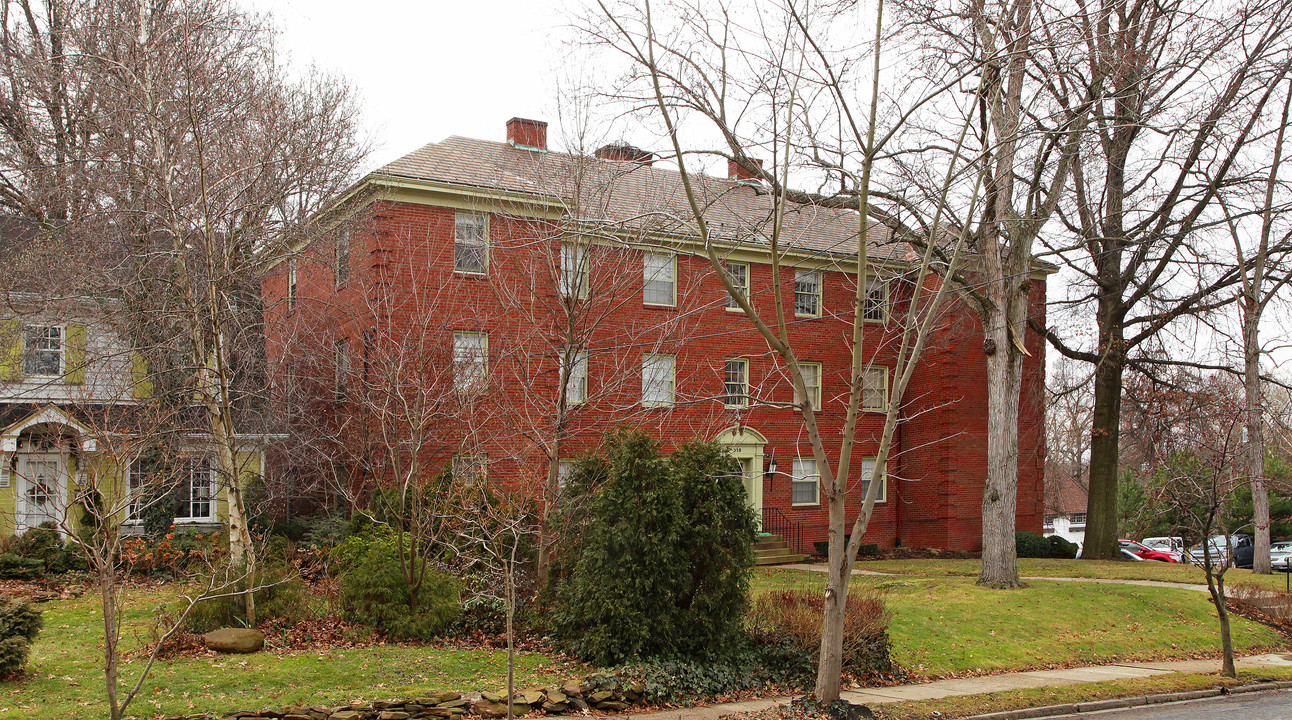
(805, 485)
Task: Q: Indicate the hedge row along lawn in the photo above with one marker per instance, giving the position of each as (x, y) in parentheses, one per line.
(942, 626)
(947, 626)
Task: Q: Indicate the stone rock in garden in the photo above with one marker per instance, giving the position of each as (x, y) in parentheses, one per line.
(456, 702)
(493, 697)
(383, 704)
(556, 708)
(456, 711)
(413, 707)
(572, 689)
(297, 716)
(448, 696)
(436, 712)
(346, 715)
(489, 708)
(580, 704)
(600, 696)
(393, 715)
(637, 688)
(556, 696)
(530, 696)
(235, 640)
(612, 706)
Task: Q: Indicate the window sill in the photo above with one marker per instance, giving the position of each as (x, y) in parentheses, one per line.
(471, 273)
(660, 306)
(807, 317)
(805, 505)
(657, 406)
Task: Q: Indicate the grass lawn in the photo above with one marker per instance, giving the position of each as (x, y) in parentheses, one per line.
(947, 626)
(65, 677)
(1034, 567)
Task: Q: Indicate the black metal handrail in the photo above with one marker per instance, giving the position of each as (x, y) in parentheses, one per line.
(775, 522)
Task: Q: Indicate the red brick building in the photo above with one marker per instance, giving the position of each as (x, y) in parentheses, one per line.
(459, 288)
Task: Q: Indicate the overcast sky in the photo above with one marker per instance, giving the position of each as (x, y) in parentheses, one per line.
(428, 70)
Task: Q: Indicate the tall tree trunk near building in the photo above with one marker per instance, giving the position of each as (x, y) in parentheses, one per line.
(1101, 506)
(1000, 493)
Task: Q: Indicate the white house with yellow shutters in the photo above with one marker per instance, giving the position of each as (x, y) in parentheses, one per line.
(77, 420)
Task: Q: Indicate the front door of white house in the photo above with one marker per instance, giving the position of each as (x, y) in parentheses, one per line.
(42, 490)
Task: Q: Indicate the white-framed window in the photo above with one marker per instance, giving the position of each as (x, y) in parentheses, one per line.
(471, 242)
(659, 275)
(875, 306)
(564, 469)
(807, 293)
(576, 374)
(874, 389)
(739, 274)
(811, 373)
(867, 474)
(341, 260)
(805, 482)
(291, 284)
(340, 367)
(43, 350)
(735, 383)
(190, 484)
(470, 468)
(470, 361)
(197, 490)
(576, 273)
(658, 380)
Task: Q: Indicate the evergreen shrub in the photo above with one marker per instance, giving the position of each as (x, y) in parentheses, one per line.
(374, 590)
(20, 622)
(654, 554)
(1030, 545)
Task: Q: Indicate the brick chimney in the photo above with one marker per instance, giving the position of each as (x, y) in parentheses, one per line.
(621, 152)
(737, 172)
(527, 134)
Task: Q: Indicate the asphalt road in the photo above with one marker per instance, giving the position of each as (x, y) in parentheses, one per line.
(1270, 705)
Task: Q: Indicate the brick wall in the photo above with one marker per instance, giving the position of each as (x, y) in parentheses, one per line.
(403, 292)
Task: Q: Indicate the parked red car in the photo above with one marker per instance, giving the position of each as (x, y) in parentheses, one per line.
(1147, 552)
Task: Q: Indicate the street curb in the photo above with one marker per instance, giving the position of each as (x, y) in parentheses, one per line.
(1096, 706)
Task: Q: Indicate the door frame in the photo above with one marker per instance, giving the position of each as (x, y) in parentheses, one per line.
(22, 481)
(746, 445)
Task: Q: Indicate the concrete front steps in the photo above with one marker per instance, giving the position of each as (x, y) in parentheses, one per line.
(773, 550)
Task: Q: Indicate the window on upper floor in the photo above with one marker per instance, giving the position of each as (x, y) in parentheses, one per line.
(807, 293)
(805, 482)
(811, 373)
(576, 376)
(735, 388)
(874, 389)
(658, 381)
(575, 272)
(867, 474)
(341, 256)
(340, 368)
(43, 351)
(876, 300)
(471, 242)
(291, 284)
(659, 278)
(739, 274)
(470, 468)
(470, 361)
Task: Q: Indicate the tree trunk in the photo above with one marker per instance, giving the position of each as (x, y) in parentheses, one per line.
(830, 664)
(1101, 508)
(1000, 492)
(1217, 589)
(1255, 447)
(108, 602)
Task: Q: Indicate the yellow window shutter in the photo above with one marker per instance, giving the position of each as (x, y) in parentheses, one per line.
(140, 379)
(74, 354)
(11, 344)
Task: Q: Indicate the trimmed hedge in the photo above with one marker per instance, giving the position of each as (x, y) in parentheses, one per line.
(19, 625)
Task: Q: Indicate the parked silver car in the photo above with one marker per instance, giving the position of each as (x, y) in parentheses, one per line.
(1280, 554)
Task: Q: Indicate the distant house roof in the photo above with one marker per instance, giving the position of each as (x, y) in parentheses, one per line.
(640, 197)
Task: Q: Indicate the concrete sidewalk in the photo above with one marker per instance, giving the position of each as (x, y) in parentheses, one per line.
(980, 685)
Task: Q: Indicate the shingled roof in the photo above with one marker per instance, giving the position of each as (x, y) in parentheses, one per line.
(638, 196)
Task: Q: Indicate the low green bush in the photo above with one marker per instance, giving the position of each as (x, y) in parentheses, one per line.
(17, 567)
(793, 618)
(374, 590)
(45, 545)
(1061, 548)
(1030, 545)
(20, 622)
(822, 548)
